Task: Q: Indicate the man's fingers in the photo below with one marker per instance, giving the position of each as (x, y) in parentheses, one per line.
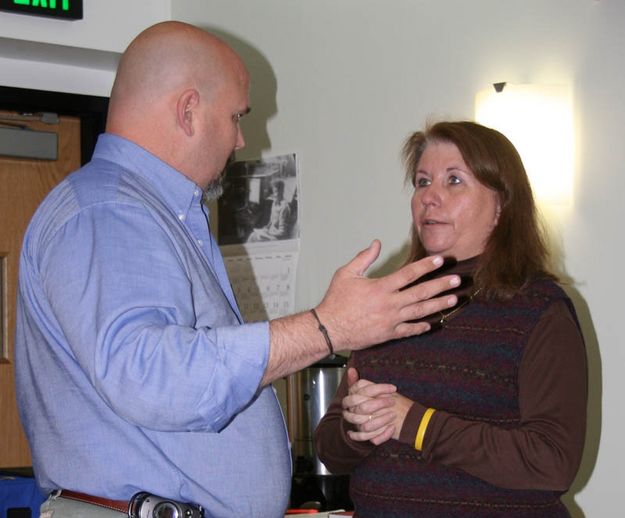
(417, 310)
(364, 259)
(412, 272)
(428, 289)
(359, 312)
(409, 329)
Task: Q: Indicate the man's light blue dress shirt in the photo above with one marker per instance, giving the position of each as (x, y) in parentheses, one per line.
(134, 369)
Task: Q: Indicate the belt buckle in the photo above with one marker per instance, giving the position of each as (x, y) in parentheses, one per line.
(146, 505)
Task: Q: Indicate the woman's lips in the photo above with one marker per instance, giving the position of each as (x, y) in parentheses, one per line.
(430, 221)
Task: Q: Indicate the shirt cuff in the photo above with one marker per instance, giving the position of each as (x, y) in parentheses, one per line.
(413, 418)
(243, 353)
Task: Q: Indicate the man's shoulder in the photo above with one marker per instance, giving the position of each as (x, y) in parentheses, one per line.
(99, 187)
(101, 181)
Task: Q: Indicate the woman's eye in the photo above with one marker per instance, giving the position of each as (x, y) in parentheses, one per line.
(422, 182)
(453, 179)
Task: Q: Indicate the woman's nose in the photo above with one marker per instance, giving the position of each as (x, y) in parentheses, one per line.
(430, 195)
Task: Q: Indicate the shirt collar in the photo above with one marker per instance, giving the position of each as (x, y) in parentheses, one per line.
(178, 191)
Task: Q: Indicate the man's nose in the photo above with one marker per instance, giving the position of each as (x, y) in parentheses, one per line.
(240, 144)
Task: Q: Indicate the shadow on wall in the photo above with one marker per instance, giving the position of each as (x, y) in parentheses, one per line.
(392, 263)
(595, 397)
(593, 354)
(263, 88)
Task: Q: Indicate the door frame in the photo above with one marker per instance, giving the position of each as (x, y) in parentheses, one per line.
(89, 108)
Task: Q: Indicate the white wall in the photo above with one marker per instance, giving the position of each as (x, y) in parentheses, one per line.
(73, 56)
(342, 82)
(351, 78)
(108, 25)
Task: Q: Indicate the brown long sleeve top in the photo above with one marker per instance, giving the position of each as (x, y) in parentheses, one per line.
(543, 452)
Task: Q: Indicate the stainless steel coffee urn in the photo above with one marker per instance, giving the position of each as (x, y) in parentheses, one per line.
(309, 393)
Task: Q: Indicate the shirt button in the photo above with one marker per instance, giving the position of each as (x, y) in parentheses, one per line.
(181, 217)
(200, 242)
(196, 193)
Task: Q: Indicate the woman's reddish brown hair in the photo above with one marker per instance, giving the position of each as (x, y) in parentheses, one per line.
(515, 252)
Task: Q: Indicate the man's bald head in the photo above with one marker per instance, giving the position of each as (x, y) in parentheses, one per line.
(158, 67)
(167, 56)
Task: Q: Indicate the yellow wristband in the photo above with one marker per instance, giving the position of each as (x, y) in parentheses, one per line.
(423, 426)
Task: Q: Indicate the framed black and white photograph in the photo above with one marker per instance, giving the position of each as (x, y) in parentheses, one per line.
(259, 202)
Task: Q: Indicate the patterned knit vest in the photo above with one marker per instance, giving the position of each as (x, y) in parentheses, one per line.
(468, 368)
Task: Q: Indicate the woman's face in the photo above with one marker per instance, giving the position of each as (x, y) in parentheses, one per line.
(453, 213)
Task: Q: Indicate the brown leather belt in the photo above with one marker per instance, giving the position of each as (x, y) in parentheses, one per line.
(114, 505)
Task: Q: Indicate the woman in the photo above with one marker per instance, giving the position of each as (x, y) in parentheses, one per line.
(485, 414)
(278, 225)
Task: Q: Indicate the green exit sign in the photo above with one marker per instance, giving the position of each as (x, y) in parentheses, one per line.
(68, 9)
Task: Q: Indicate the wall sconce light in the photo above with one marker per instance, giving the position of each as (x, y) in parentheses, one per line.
(538, 120)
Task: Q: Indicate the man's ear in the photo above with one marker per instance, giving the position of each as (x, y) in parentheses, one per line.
(185, 109)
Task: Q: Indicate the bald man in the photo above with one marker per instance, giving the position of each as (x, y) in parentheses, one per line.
(137, 378)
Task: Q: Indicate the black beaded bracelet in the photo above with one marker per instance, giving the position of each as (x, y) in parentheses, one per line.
(324, 332)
